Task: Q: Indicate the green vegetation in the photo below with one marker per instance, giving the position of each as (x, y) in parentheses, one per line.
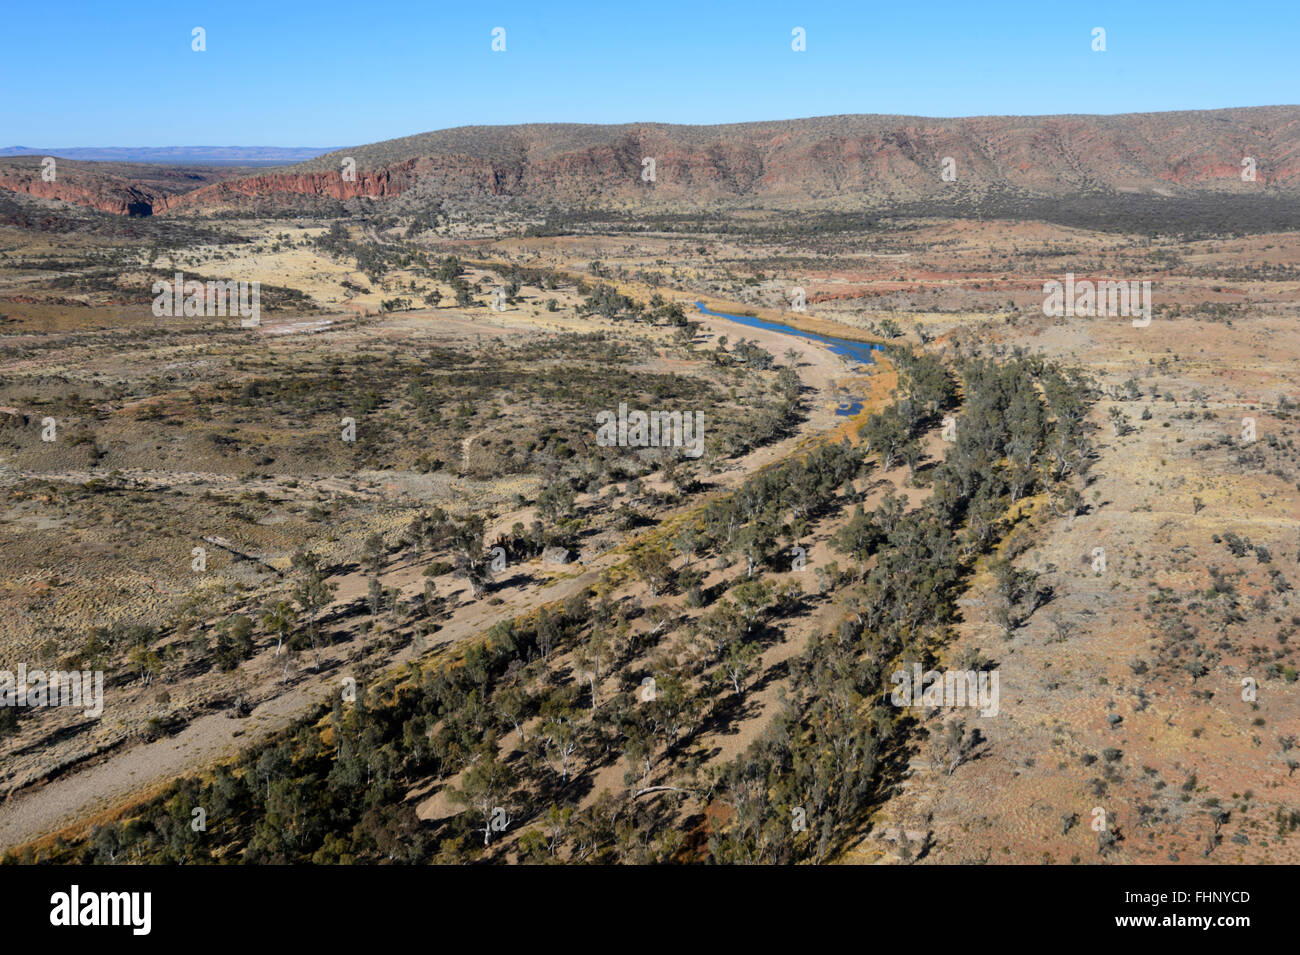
(511, 728)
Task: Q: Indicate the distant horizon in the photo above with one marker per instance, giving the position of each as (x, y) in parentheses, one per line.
(173, 155)
(10, 151)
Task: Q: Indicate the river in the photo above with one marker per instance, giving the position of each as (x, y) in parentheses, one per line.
(844, 347)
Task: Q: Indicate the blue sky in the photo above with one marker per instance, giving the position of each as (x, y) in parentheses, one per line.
(337, 74)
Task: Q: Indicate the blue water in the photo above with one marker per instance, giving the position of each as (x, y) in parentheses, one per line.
(848, 409)
(854, 351)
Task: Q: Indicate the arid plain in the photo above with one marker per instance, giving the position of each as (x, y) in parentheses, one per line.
(469, 629)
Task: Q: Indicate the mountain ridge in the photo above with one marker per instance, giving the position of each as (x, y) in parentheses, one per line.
(849, 162)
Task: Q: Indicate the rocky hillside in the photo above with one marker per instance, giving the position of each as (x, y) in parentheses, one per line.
(127, 189)
(833, 162)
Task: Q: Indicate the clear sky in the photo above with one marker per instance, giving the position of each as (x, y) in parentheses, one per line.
(327, 73)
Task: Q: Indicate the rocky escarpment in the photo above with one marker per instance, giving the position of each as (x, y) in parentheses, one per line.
(118, 198)
(374, 184)
(125, 189)
(861, 162)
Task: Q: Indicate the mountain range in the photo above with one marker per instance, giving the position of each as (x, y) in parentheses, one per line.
(846, 163)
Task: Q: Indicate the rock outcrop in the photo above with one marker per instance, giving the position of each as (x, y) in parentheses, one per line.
(836, 162)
